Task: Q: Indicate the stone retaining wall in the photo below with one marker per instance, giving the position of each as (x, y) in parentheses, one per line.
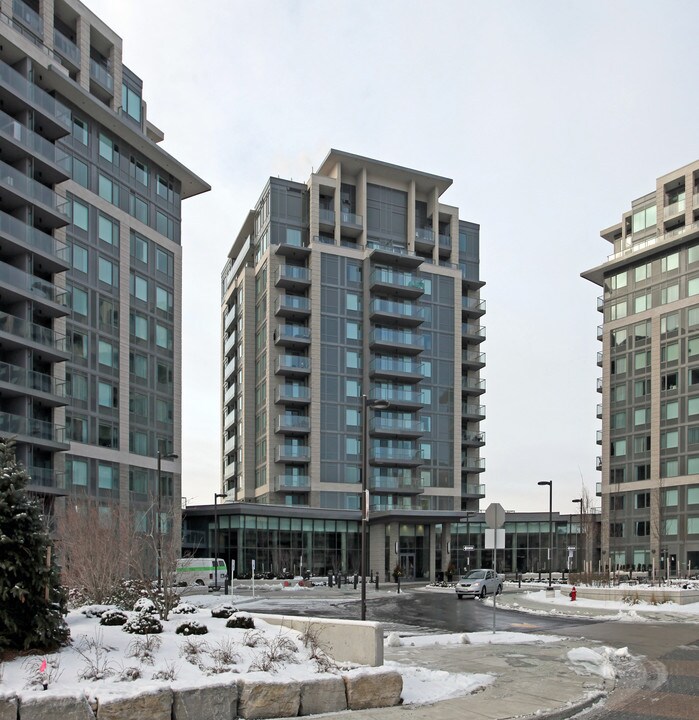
(655, 595)
(245, 698)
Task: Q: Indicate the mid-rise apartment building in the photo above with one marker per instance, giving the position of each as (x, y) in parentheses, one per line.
(90, 261)
(650, 380)
(359, 282)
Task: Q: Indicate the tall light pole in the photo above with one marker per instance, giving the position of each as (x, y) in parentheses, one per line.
(377, 405)
(159, 523)
(216, 497)
(550, 484)
(579, 501)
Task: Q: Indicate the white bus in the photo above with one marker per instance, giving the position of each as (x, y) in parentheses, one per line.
(200, 571)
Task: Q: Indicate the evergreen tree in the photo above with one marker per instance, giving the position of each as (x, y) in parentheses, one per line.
(28, 620)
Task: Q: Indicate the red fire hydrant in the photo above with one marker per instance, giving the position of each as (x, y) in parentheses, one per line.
(573, 594)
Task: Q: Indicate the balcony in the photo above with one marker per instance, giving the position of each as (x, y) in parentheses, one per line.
(472, 464)
(29, 18)
(600, 332)
(396, 368)
(389, 311)
(293, 246)
(46, 478)
(54, 117)
(326, 219)
(293, 365)
(472, 334)
(16, 141)
(409, 457)
(396, 398)
(472, 439)
(472, 307)
(229, 470)
(600, 384)
(229, 445)
(424, 240)
(472, 386)
(472, 359)
(229, 342)
(229, 369)
(293, 454)
(599, 411)
(19, 285)
(396, 340)
(292, 336)
(293, 424)
(292, 306)
(598, 489)
(398, 485)
(25, 238)
(396, 427)
(600, 304)
(292, 483)
(17, 381)
(228, 419)
(600, 358)
(67, 49)
(444, 245)
(471, 490)
(35, 432)
(229, 394)
(293, 277)
(675, 208)
(352, 224)
(393, 254)
(19, 190)
(598, 463)
(18, 333)
(292, 395)
(103, 79)
(599, 437)
(229, 318)
(472, 413)
(388, 281)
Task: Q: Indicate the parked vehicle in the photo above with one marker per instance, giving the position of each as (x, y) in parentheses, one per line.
(478, 583)
(200, 571)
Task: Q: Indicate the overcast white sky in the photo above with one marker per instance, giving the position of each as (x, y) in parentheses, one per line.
(549, 116)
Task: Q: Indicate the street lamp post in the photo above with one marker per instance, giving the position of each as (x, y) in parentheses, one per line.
(216, 497)
(579, 501)
(469, 515)
(550, 484)
(159, 522)
(377, 405)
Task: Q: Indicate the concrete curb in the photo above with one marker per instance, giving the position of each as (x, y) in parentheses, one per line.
(571, 710)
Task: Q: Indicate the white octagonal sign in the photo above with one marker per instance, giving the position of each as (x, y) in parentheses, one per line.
(495, 516)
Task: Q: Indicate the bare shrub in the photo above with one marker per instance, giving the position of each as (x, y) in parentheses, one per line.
(254, 638)
(38, 678)
(144, 648)
(168, 672)
(128, 673)
(224, 653)
(192, 650)
(95, 656)
(281, 649)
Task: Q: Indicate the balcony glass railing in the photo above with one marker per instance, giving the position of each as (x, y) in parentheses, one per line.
(426, 235)
(294, 422)
(12, 227)
(326, 215)
(395, 395)
(293, 392)
(293, 272)
(349, 218)
(18, 180)
(475, 304)
(478, 490)
(473, 437)
(34, 142)
(298, 452)
(229, 445)
(229, 419)
(229, 368)
(46, 477)
(396, 454)
(292, 481)
(397, 365)
(445, 241)
(469, 409)
(397, 337)
(470, 464)
(293, 362)
(229, 394)
(51, 107)
(389, 482)
(291, 302)
(293, 332)
(39, 429)
(468, 330)
(396, 425)
(66, 47)
(28, 17)
(229, 343)
(675, 208)
(31, 331)
(472, 383)
(36, 286)
(31, 379)
(102, 75)
(385, 276)
(469, 356)
(403, 309)
(229, 317)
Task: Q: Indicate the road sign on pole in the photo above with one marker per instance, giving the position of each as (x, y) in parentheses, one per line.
(495, 516)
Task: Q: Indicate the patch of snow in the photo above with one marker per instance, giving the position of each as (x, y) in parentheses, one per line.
(422, 686)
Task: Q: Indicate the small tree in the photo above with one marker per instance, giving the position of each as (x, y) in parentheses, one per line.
(32, 602)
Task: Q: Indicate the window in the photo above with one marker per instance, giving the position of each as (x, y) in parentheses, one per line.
(76, 386)
(105, 477)
(107, 395)
(669, 468)
(693, 435)
(671, 498)
(616, 502)
(164, 374)
(641, 388)
(670, 262)
(693, 406)
(616, 529)
(80, 173)
(138, 365)
(670, 294)
(352, 330)
(619, 310)
(166, 226)
(670, 410)
(618, 281)
(670, 352)
(642, 331)
(669, 323)
(163, 300)
(138, 326)
(352, 388)
(164, 262)
(108, 315)
(139, 287)
(131, 102)
(693, 465)
(138, 442)
(107, 148)
(165, 189)
(642, 272)
(79, 258)
(618, 393)
(108, 272)
(139, 248)
(693, 346)
(138, 405)
(642, 500)
(108, 436)
(138, 208)
(669, 439)
(76, 470)
(618, 337)
(643, 219)
(138, 480)
(692, 287)
(351, 417)
(642, 472)
(670, 526)
(669, 381)
(81, 130)
(139, 170)
(618, 366)
(618, 420)
(693, 495)
(108, 230)
(693, 376)
(692, 254)
(163, 336)
(108, 354)
(78, 300)
(693, 525)
(642, 303)
(107, 189)
(352, 301)
(80, 214)
(163, 411)
(618, 448)
(641, 444)
(641, 416)
(641, 360)
(78, 343)
(642, 528)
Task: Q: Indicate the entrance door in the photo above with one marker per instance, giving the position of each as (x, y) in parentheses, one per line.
(407, 565)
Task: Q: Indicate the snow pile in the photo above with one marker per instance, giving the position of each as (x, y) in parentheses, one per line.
(422, 686)
(472, 638)
(600, 662)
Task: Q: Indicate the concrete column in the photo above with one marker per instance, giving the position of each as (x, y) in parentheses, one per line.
(411, 216)
(46, 12)
(82, 40)
(446, 536)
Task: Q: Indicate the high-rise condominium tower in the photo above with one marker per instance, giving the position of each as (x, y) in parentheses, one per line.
(650, 380)
(90, 261)
(358, 287)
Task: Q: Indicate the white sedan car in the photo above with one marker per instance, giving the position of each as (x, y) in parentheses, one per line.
(478, 583)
